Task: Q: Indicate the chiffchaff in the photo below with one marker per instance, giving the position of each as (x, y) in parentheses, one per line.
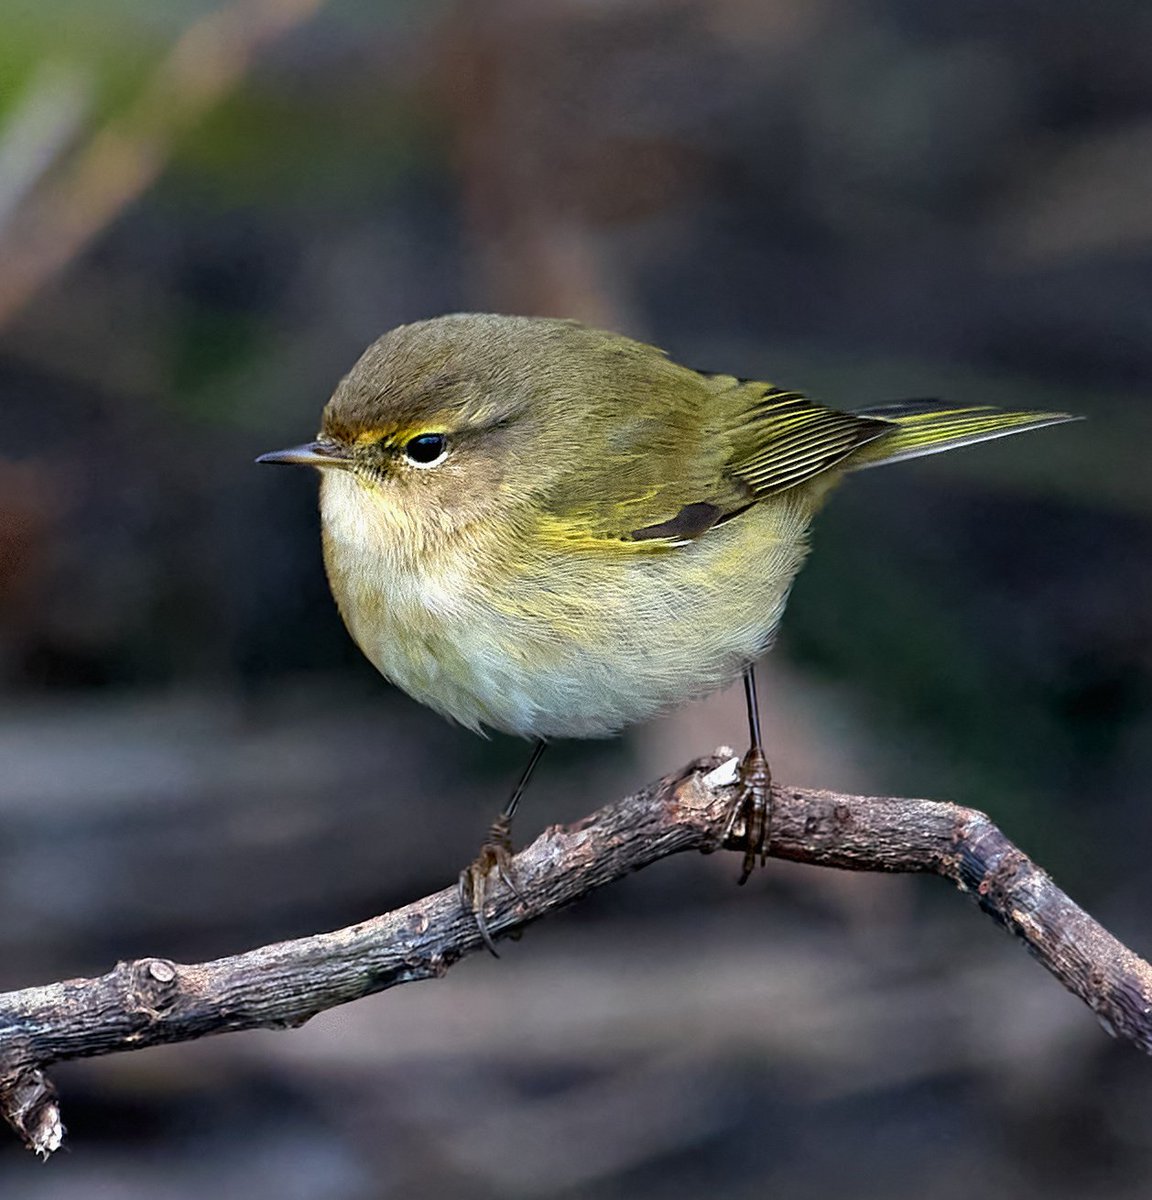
(556, 531)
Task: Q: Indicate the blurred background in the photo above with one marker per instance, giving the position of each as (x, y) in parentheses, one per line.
(207, 210)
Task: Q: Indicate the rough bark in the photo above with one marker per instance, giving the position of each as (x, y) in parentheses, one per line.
(153, 1000)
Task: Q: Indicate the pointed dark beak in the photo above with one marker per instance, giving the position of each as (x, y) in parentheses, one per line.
(311, 454)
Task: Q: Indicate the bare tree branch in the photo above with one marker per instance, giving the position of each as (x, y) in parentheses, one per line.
(153, 1000)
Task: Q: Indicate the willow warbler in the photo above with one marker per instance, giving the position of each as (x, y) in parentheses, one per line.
(555, 531)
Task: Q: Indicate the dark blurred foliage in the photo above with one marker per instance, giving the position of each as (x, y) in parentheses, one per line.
(205, 218)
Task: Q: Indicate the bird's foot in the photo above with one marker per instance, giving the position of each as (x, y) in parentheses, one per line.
(752, 805)
(493, 861)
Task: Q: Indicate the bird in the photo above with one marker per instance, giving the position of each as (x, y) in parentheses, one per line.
(554, 531)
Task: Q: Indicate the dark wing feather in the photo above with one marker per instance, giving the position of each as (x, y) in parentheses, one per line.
(785, 439)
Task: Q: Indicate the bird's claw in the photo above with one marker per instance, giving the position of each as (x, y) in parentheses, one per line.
(753, 805)
(494, 859)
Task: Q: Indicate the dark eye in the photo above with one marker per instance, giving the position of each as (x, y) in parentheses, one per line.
(426, 449)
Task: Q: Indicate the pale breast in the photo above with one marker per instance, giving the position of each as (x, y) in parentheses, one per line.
(558, 644)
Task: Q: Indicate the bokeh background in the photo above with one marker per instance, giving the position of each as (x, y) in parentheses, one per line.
(206, 212)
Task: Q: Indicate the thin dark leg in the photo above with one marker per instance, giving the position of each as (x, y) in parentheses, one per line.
(509, 810)
(496, 854)
(753, 705)
(753, 800)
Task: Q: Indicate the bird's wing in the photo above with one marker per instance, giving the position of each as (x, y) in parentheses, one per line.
(781, 438)
(738, 443)
(765, 440)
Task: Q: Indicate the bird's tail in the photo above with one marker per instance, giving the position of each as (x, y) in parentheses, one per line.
(928, 426)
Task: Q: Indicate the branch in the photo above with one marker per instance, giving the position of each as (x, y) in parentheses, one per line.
(153, 1000)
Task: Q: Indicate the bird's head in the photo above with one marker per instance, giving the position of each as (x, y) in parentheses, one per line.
(439, 424)
(481, 421)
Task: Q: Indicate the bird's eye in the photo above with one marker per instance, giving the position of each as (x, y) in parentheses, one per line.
(426, 449)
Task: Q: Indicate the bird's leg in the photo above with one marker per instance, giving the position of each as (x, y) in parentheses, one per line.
(495, 857)
(753, 800)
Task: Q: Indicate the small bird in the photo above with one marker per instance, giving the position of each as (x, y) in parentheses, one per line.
(555, 531)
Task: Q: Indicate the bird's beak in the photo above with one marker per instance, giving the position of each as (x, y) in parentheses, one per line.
(311, 454)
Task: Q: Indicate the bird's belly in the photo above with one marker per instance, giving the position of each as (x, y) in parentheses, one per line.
(513, 677)
(564, 655)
